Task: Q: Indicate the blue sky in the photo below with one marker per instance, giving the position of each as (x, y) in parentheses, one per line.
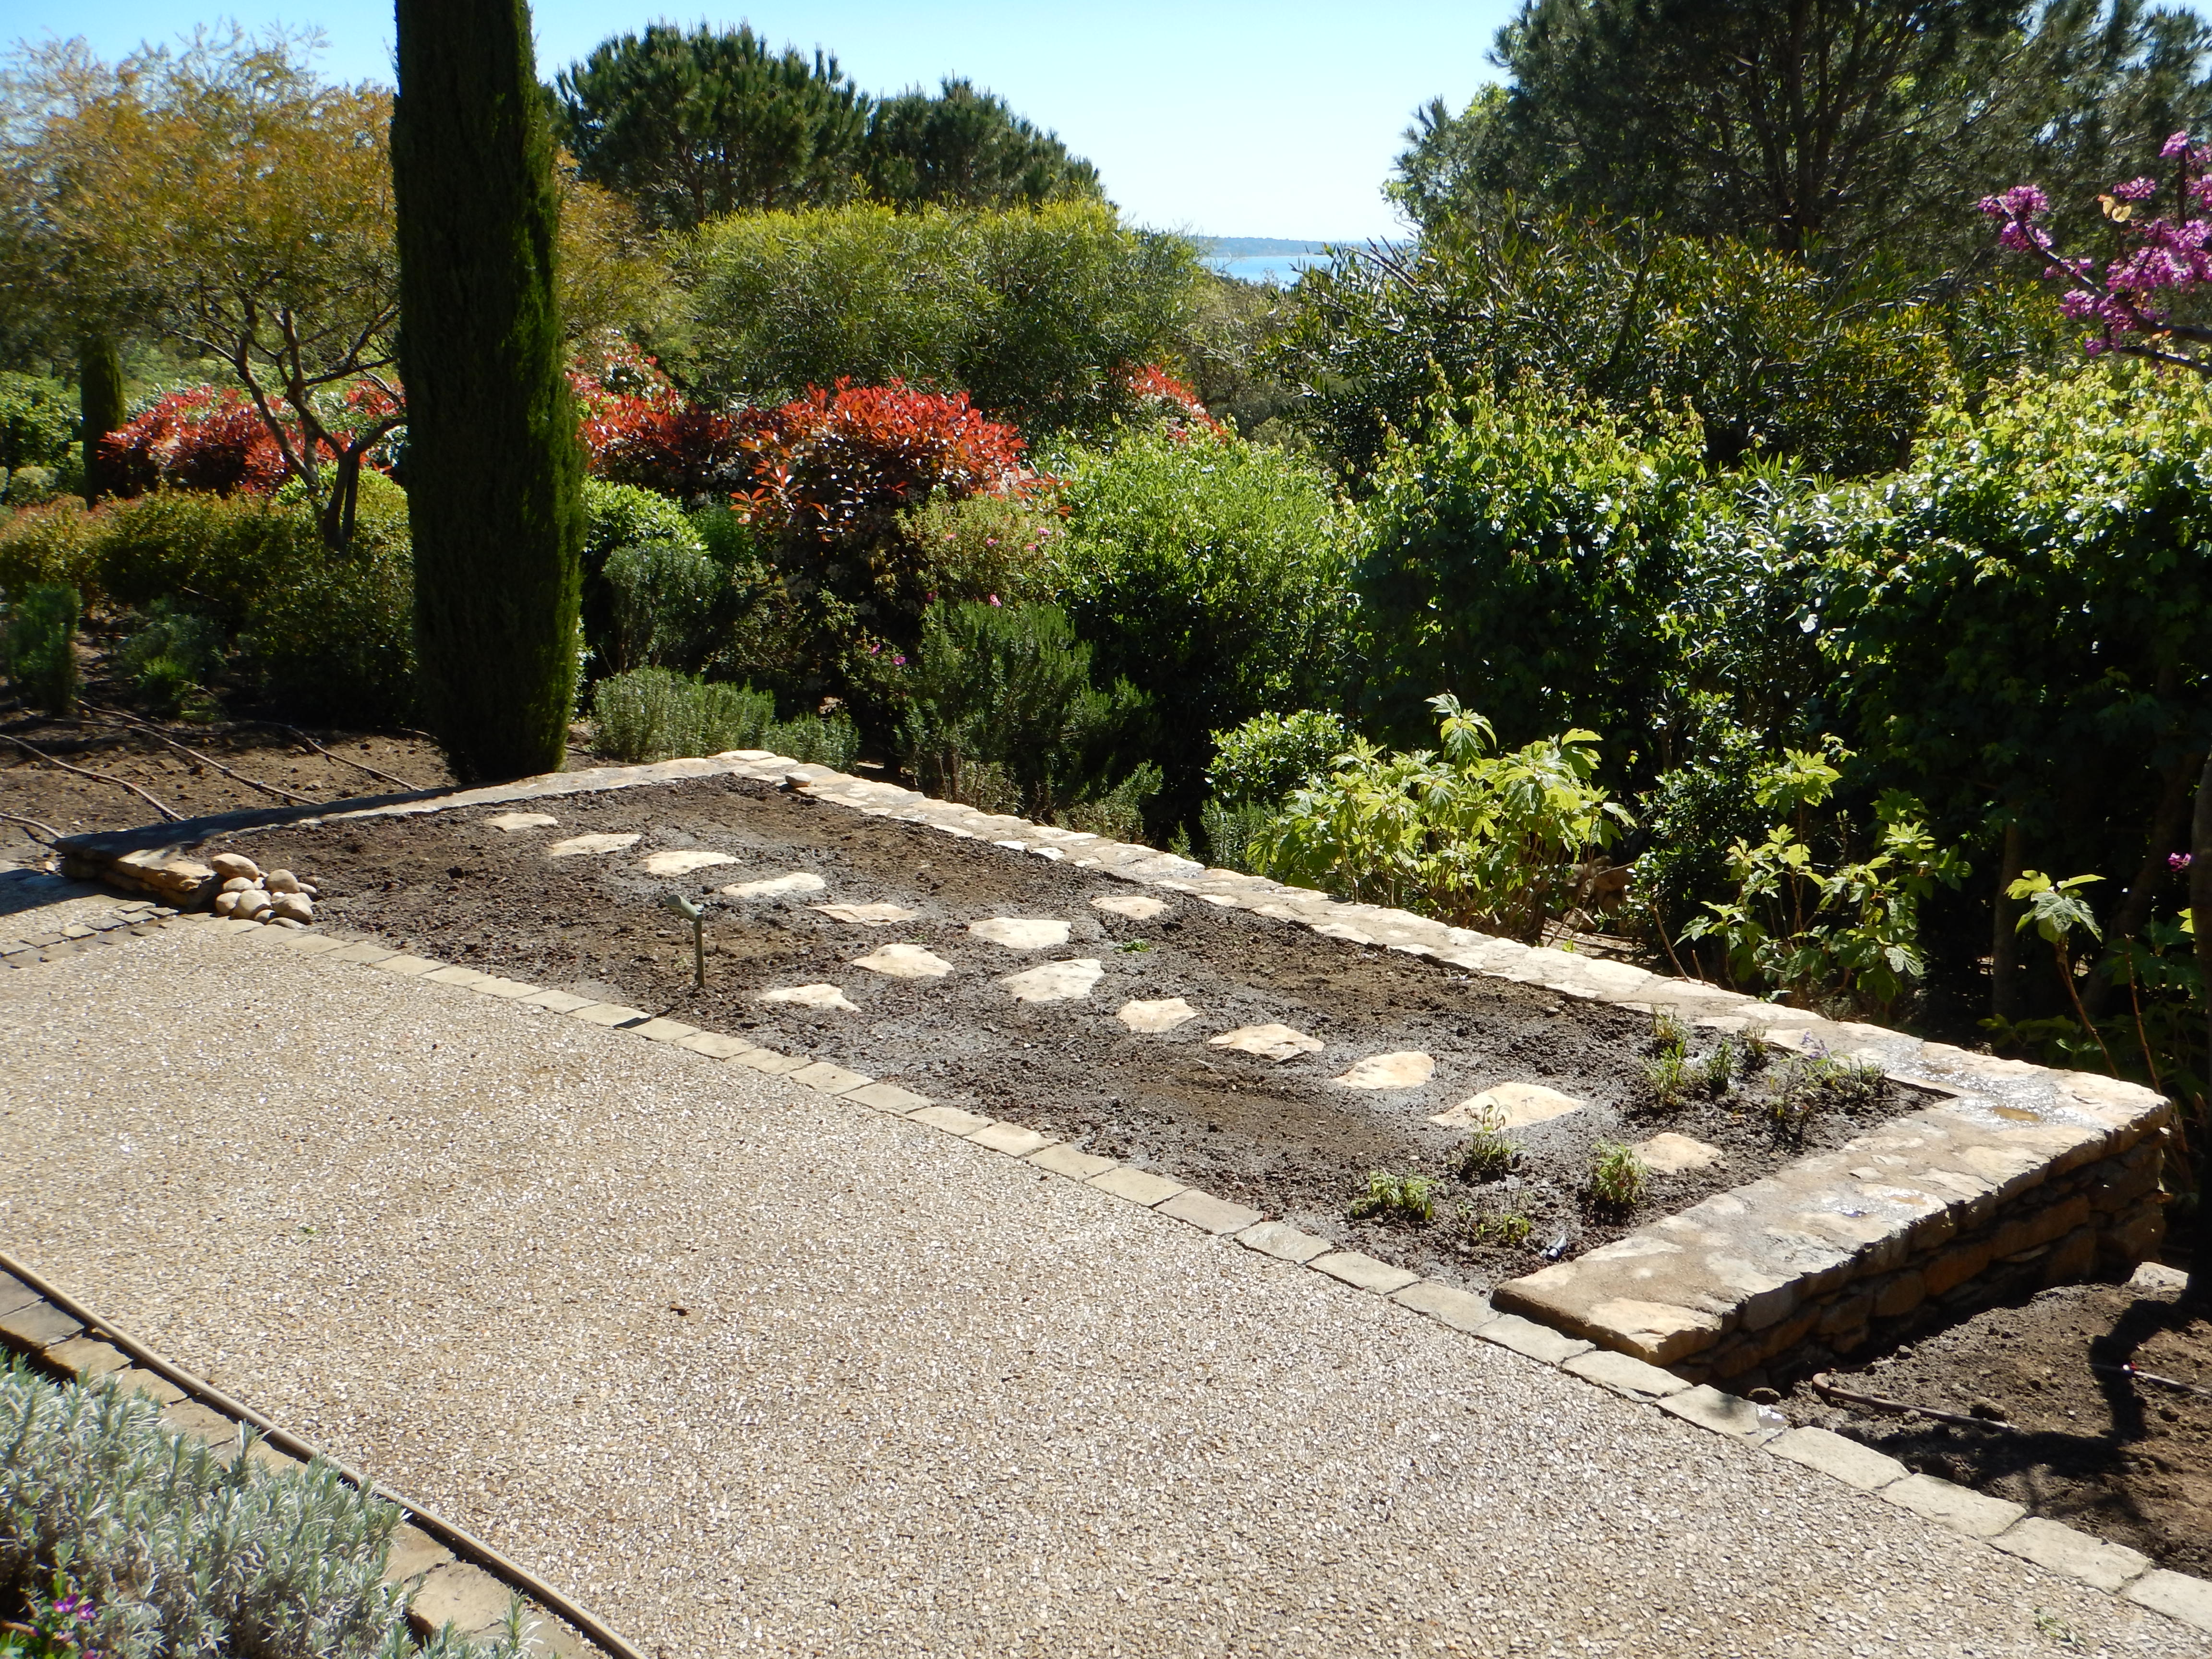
(1226, 117)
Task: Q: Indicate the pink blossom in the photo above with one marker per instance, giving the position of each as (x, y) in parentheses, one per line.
(2177, 145)
(2135, 190)
(2178, 860)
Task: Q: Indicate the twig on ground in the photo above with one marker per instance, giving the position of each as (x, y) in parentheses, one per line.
(158, 805)
(142, 729)
(30, 823)
(276, 726)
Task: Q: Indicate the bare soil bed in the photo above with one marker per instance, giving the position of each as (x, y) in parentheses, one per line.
(1281, 1136)
(2128, 1460)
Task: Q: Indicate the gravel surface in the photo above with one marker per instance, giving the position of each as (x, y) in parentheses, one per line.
(748, 1370)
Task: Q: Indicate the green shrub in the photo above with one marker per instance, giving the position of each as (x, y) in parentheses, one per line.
(1483, 839)
(334, 641)
(1230, 833)
(27, 486)
(1001, 695)
(665, 602)
(56, 543)
(1270, 755)
(223, 552)
(653, 714)
(1388, 1197)
(182, 1550)
(982, 547)
(173, 652)
(37, 423)
(39, 649)
(625, 515)
(1210, 573)
(1619, 1177)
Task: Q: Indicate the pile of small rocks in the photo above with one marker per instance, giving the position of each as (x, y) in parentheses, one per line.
(249, 894)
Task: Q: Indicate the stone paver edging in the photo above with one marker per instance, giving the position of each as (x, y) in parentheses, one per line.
(2005, 1526)
(458, 1578)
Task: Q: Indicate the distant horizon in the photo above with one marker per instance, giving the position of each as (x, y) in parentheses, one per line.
(1305, 130)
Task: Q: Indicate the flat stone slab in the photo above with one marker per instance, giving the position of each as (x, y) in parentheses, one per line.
(406, 966)
(1525, 1336)
(580, 845)
(1283, 1242)
(1362, 1272)
(888, 1097)
(904, 961)
(1161, 1016)
(811, 996)
(1012, 1139)
(2060, 1549)
(2176, 1595)
(609, 1014)
(868, 915)
(1210, 1214)
(665, 1029)
(1670, 1153)
(682, 862)
(1067, 1161)
(1624, 1376)
(774, 1064)
(1137, 1185)
(560, 1002)
(85, 1358)
(1407, 1069)
(1448, 1304)
(830, 1080)
(1511, 1105)
(799, 881)
(1276, 1042)
(1953, 1506)
(1724, 1414)
(715, 1045)
(1055, 981)
(38, 1325)
(1133, 906)
(512, 821)
(1834, 1454)
(951, 1118)
(1021, 933)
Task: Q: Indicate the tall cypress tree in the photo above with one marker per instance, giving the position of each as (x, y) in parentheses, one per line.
(99, 405)
(494, 472)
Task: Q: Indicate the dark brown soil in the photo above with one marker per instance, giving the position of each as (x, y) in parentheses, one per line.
(2127, 1459)
(1278, 1136)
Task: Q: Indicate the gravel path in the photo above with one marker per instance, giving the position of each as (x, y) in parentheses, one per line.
(748, 1370)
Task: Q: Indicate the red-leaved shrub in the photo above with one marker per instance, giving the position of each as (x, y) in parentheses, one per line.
(639, 429)
(1164, 400)
(203, 438)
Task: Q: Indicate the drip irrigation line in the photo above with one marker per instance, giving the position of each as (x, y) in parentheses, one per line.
(30, 823)
(158, 806)
(458, 1539)
(276, 726)
(2141, 1376)
(113, 718)
(1828, 1390)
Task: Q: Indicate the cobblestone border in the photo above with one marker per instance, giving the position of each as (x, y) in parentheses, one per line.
(2007, 1097)
(458, 1578)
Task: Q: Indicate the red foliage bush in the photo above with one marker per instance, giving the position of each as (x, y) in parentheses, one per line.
(639, 429)
(204, 438)
(1161, 397)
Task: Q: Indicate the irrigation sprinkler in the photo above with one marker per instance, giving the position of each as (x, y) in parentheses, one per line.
(691, 913)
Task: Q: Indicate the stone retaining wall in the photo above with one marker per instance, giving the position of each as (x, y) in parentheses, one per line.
(2023, 1176)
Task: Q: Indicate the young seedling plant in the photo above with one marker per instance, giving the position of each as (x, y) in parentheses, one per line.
(1487, 1155)
(1388, 1197)
(1619, 1177)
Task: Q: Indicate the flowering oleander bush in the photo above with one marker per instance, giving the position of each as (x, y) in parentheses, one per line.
(131, 1541)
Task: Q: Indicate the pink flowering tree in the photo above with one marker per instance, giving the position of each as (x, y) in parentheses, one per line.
(2165, 250)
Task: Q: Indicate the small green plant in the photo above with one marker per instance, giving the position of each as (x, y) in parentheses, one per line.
(1816, 1082)
(1512, 1228)
(1717, 1073)
(1619, 1178)
(1668, 1032)
(1487, 1155)
(664, 597)
(1135, 944)
(37, 648)
(175, 651)
(1668, 1075)
(1390, 1197)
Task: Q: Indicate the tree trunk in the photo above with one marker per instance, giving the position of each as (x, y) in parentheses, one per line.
(2200, 913)
(494, 471)
(2004, 937)
(100, 406)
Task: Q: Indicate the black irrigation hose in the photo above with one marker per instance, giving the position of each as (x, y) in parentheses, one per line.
(2141, 1375)
(458, 1539)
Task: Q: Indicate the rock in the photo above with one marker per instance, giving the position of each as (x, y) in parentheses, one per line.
(1407, 1069)
(227, 901)
(227, 865)
(281, 881)
(576, 845)
(1021, 933)
(1055, 981)
(311, 890)
(811, 996)
(2157, 1276)
(251, 902)
(239, 883)
(799, 881)
(1518, 1103)
(1163, 1016)
(512, 821)
(282, 922)
(1135, 906)
(870, 915)
(1673, 1154)
(293, 907)
(1268, 1042)
(904, 961)
(680, 863)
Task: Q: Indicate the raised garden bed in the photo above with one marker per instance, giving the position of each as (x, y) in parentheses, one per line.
(1280, 1135)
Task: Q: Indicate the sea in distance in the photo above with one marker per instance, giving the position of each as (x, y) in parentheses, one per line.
(1260, 259)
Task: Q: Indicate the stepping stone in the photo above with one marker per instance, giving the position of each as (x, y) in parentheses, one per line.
(576, 844)
(1673, 1154)
(1163, 1016)
(1407, 1069)
(1021, 933)
(682, 863)
(1268, 1042)
(811, 996)
(510, 822)
(871, 915)
(1056, 981)
(904, 961)
(1518, 1103)
(1134, 906)
(801, 881)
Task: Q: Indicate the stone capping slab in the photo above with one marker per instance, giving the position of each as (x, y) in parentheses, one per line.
(2045, 1543)
(473, 1594)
